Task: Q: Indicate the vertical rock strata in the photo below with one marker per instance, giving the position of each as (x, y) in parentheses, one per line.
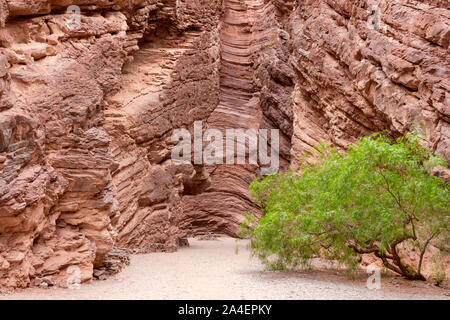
(87, 115)
(364, 66)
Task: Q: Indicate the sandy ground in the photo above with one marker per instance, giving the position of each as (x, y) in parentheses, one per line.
(213, 270)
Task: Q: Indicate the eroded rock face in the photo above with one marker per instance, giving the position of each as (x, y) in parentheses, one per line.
(256, 85)
(364, 66)
(58, 195)
(87, 115)
(75, 130)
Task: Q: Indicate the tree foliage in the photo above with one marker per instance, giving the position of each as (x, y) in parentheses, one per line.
(371, 199)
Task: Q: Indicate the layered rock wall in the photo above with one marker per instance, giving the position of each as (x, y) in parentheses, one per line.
(74, 133)
(57, 196)
(87, 114)
(171, 83)
(364, 66)
(219, 205)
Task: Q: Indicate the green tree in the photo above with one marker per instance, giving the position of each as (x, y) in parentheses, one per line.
(371, 199)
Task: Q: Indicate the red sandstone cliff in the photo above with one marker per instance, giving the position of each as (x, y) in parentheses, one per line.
(86, 116)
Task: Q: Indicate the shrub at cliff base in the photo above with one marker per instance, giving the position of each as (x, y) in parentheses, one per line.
(372, 199)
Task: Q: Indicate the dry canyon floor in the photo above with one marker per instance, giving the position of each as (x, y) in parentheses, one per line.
(224, 269)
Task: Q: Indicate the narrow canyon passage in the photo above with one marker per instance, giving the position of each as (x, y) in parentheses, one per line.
(220, 207)
(154, 63)
(213, 270)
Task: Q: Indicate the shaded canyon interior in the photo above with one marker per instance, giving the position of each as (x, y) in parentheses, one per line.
(87, 115)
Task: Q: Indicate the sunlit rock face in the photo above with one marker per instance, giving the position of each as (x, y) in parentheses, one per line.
(87, 114)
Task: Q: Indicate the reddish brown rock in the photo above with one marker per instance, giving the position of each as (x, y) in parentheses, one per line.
(86, 115)
(171, 82)
(255, 89)
(363, 68)
(81, 118)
